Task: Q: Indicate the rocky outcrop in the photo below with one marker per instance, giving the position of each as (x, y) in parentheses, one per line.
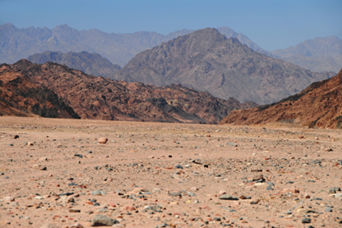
(102, 98)
(20, 97)
(318, 106)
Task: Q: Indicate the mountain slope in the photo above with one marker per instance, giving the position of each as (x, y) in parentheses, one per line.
(101, 98)
(89, 63)
(208, 61)
(16, 44)
(319, 105)
(319, 54)
(21, 97)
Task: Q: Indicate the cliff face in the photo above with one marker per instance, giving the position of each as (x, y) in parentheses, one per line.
(102, 98)
(20, 97)
(319, 105)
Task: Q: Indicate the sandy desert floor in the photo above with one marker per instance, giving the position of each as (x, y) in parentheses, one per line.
(55, 173)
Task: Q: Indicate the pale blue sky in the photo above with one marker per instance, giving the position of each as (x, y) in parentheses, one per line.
(272, 24)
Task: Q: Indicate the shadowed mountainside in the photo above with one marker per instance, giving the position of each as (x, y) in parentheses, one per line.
(21, 97)
(319, 105)
(207, 61)
(102, 98)
(89, 63)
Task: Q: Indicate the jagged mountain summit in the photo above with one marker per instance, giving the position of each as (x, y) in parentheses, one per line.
(89, 63)
(16, 44)
(318, 106)
(208, 61)
(102, 98)
(319, 54)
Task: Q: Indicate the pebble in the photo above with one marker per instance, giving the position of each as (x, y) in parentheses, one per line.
(76, 225)
(98, 193)
(228, 197)
(103, 140)
(333, 190)
(306, 220)
(103, 220)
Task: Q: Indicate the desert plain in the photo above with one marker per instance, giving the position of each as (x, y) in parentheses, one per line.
(56, 173)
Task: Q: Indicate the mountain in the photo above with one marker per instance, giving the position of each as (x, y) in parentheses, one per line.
(318, 106)
(102, 98)
(319, 54)
(16, 44)
(230, 33)
(208, 61)
(21, 97)
(89, 63)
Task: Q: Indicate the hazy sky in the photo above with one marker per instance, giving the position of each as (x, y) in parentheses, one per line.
(271, 24)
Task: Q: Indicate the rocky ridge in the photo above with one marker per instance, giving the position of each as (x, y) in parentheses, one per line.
(89, 63)
(102, 98)
(318, 106)
(21, 97)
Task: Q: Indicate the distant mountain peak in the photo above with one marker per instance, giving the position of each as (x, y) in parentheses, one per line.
(208, 61)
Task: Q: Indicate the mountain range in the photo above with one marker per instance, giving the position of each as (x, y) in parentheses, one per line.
(317, 106)
(16, 44)
(208, 61)
(319, 54)
(102, 98)
(89, 63)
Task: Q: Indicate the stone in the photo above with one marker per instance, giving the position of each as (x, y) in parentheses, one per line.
(98, 193)
(228, 197)
(306, 220)
(76, 225)
(102, 140)
(43, 159)
(103, 220)
(328, 209)
(74, 210)
(258, 178)
(333, 190)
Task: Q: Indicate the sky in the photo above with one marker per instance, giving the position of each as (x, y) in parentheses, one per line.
(272, 24)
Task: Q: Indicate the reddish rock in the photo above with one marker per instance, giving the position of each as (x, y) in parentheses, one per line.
(103, 140)
(319, 105)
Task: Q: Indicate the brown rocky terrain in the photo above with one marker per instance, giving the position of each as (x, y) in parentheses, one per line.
(208, 61)
(89, 63)
(319, 105)
(21, 97)
(55, 173)
(102, 98)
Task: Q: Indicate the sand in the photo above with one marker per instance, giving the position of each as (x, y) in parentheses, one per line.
(168, 175)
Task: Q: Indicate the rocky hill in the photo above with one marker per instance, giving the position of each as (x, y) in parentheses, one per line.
(319, 105)
(89, 63)
(208, 61)
(16, 44)
(102, 98)
(21, 97)
(319, 54)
